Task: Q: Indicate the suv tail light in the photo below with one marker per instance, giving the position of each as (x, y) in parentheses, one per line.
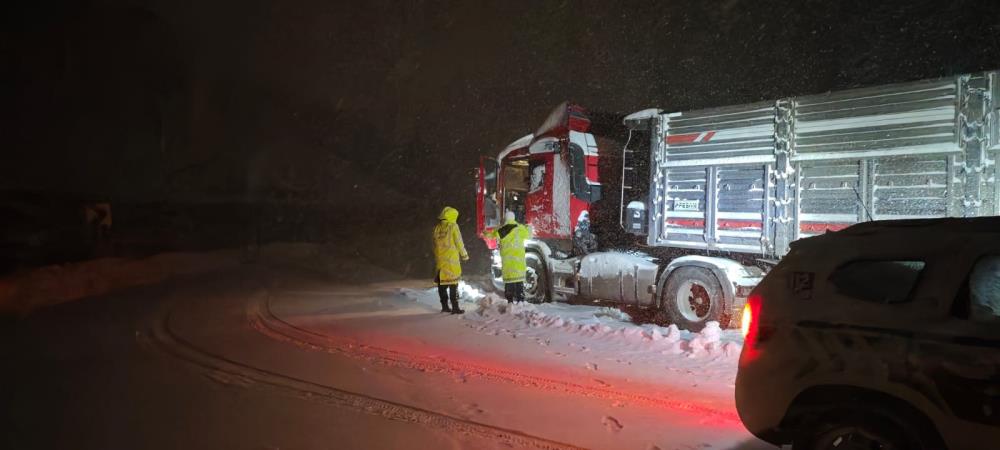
(746, 319)
(750, 326)
(750, 322)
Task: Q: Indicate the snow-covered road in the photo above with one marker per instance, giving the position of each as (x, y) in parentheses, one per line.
(276, 359)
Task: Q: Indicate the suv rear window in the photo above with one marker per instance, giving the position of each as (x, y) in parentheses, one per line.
(878, 281)
(984, 288)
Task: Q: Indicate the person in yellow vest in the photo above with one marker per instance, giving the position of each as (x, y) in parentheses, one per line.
(448, 248)
(511, 237)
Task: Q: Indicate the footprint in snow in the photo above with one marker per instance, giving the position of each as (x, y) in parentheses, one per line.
(592, 366)
(473, 408)
(612, 424)
(601, 382)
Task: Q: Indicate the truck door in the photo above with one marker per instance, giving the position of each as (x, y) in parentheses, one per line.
(487, 206)
(539, 197)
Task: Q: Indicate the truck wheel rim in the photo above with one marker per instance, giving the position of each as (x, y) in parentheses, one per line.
(530, 283)
(693, 301)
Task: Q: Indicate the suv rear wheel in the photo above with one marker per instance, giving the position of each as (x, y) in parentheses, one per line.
(856, 428)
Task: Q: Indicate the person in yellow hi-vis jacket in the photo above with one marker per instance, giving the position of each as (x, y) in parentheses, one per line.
(511, 237)
(448, 248)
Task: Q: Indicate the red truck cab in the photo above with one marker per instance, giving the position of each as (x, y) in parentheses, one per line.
(548, 179)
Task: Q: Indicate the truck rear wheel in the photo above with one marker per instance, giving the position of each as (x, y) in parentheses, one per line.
(692, 298)
(536, 283)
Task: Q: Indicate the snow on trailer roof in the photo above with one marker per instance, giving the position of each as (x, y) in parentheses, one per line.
(637, 120)
(647, 113)
(516, 145)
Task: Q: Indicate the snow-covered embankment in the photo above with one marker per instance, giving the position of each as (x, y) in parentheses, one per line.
(602, 334)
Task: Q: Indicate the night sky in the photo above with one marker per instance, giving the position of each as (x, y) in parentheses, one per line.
(389, 104)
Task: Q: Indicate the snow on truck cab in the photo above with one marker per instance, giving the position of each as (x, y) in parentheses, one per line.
(712, 198)
(884, 335)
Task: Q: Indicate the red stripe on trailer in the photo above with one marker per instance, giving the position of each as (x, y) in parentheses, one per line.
(725, 224)
(688, 138)
(815, 227)
(687, 223)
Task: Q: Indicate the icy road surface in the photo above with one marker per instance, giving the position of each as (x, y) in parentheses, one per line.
(269, 359)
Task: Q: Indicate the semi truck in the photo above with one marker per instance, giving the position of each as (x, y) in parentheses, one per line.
(714, 197)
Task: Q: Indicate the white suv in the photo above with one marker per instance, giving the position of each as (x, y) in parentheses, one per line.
(885, 335)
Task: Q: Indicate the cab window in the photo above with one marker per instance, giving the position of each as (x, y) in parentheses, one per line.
(516, 179)
(537, 174)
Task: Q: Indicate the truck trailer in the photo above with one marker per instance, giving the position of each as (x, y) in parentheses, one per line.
(713, 197)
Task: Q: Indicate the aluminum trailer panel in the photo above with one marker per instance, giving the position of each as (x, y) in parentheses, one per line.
(752, 178)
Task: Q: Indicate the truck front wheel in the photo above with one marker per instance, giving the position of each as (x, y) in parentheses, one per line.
(692, 298)
(536, 283)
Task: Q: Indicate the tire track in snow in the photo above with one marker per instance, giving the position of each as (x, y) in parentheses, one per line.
(219, 367)
(263, 319)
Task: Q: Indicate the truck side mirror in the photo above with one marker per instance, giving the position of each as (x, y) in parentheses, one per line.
(582, 188)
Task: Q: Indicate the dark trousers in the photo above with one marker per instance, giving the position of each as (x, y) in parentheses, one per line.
(444, 290)
(514, 291)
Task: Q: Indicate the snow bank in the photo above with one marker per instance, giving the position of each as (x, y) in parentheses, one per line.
(24, 291)
(603, 323)
(607, 329)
